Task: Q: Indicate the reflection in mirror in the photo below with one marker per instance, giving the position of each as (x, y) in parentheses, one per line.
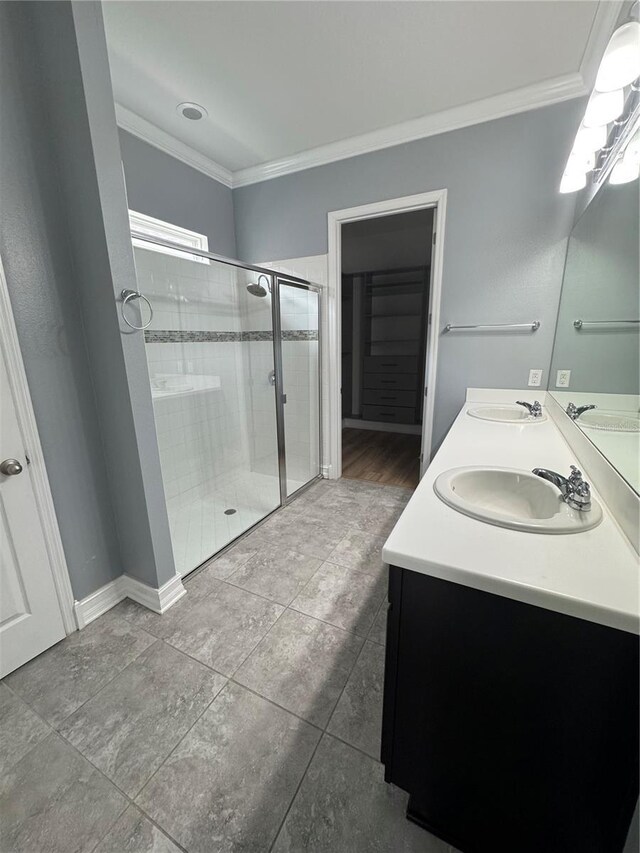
(597, 334)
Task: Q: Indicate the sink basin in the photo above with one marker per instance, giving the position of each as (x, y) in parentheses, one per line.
(508, 497)
(610, 421)
(505, 414)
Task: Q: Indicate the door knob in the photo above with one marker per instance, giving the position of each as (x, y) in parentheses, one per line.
(10, 467)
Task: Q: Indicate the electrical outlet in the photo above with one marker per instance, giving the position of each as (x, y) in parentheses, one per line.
(563, 378)
(535, 377)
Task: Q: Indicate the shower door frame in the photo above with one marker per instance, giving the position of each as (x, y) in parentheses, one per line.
(292, 281)
(275, 278)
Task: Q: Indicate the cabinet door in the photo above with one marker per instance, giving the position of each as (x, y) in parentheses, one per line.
(514, 728)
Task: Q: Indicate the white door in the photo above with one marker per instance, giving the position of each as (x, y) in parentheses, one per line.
(30, 614)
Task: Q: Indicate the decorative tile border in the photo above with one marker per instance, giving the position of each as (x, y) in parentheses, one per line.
(300, 335)
(257, 336)
(176, 336)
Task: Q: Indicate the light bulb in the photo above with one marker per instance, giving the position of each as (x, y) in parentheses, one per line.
(590, 139)
(625, 170)
(621, 61)
(572, 182)
(603, 107)
(580, 161)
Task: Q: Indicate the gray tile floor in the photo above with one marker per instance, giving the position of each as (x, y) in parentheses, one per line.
(247, 718)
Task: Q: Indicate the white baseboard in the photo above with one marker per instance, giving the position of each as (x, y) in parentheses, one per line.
(103, 599)
(379, 426)
(159, 600)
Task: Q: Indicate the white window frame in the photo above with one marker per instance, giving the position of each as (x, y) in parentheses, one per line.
(157, 228)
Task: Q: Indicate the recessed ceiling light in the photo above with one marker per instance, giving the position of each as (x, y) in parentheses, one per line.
(194, 112)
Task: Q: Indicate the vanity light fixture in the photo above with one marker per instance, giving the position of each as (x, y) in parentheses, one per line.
(611, 117)
(627, 167)
(620, 64)
(571, 183)
(603, 108)
(590, 139)
(624, 171)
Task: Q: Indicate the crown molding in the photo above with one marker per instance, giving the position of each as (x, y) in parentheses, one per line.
(532, 97)
(488, 109)
(521, 100)
(148, 132)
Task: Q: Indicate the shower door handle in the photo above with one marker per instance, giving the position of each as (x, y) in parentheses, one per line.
(272, 377)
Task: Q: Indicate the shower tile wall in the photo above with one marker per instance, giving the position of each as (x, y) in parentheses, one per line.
(212, 410)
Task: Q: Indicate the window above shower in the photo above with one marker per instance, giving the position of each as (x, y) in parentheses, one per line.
(158, 229)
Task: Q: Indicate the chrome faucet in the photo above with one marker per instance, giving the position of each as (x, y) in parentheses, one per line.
(574, 411)
(575, 491)
(535, 409)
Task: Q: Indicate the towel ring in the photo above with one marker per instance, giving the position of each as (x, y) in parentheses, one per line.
(129, 296)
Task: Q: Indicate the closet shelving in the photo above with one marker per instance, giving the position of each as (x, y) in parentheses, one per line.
(389, 339)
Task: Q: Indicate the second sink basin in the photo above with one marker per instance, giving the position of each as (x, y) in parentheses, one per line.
(610, 421)
(508, 497)
(505, 414)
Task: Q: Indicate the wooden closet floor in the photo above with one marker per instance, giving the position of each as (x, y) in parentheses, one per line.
(391, 458)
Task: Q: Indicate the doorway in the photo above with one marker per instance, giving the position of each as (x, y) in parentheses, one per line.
(385, 263)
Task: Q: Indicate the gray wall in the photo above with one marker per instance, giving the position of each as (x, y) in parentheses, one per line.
(505, 241)
(601, 281)
(90, 164)
(66, 245)
(161, 186)
(44, 293)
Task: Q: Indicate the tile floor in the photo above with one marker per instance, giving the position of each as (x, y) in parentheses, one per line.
(247, 718)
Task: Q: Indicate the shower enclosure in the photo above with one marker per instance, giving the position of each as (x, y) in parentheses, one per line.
(234, 363)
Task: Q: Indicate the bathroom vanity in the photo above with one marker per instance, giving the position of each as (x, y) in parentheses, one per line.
(511, 682)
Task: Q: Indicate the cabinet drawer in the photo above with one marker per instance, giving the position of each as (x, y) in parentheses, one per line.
(390, 397)
(392, 414)
(391, 364)
(399, 381)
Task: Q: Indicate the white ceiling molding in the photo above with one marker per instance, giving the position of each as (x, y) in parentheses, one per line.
(143, 129)
(520, 100)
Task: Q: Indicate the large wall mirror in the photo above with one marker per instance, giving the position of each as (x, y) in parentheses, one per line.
(595, 369)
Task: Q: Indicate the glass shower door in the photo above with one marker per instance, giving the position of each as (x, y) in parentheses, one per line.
(211, 366)
(299, 323)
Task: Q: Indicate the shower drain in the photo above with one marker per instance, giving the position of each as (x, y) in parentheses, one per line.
(230, 511)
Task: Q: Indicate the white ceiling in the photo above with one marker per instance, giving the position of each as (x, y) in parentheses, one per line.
(278, 78)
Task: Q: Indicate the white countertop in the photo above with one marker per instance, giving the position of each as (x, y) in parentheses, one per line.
(592, 575)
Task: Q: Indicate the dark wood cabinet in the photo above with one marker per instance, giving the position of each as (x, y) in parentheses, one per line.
(513, 728)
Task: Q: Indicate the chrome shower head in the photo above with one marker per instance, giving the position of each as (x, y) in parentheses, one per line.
(258, 289)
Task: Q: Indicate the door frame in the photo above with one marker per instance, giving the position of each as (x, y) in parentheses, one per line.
(436, 199)
(38, 473)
